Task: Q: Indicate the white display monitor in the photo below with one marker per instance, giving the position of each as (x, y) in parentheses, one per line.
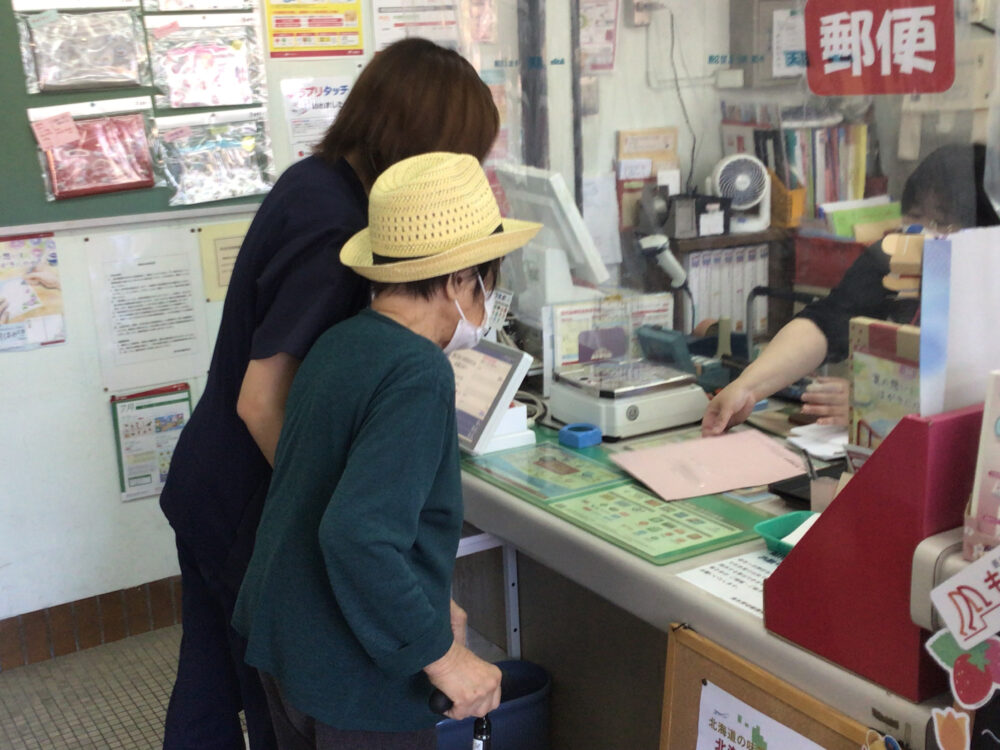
(545, 271)
(486, 379)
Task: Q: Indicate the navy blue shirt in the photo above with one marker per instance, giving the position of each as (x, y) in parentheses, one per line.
(288, 286)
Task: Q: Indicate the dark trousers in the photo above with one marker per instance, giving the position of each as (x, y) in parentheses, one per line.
(213, 682)
(298, 731)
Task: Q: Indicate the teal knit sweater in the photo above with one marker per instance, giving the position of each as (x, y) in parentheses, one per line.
(347, 595)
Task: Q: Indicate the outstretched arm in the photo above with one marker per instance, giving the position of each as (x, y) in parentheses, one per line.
(797, 349)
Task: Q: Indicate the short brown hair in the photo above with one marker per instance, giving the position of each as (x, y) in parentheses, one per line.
(413, 97)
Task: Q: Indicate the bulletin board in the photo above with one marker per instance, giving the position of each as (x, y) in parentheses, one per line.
(692, 659)
(22, 190)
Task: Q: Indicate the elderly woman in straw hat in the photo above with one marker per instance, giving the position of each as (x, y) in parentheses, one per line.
(346, 604)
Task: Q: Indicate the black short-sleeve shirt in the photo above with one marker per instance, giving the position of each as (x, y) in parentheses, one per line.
(288, 286)
(860, 292)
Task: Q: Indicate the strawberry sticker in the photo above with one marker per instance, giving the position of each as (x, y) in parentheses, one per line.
(974, 672)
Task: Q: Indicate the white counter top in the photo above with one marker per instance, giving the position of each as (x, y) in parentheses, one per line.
(656, 595)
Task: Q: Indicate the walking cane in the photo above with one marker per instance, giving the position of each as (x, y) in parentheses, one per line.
(482, 730)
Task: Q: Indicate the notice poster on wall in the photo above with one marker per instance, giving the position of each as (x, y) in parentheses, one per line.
(220, 244)
(311, 29)
(598, 36)
(146, 288)
(31, 305)
(437, 21)
(147, 426)
(311, 105)
(724, 717)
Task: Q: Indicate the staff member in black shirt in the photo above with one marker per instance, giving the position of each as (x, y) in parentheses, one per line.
(939, 196)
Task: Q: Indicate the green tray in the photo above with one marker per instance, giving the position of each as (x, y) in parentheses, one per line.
(774, 529)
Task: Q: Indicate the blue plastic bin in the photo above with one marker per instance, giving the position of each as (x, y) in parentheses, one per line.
(521, 722)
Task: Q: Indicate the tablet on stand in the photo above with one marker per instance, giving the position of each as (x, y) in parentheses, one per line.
(486, 379)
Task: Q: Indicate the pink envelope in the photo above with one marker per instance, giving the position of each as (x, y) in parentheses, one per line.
(707, 466)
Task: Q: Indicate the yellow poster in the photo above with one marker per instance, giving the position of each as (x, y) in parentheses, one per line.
(220, 243)
(299, 28)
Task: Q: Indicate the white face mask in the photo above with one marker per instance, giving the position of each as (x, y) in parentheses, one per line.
(467, 335)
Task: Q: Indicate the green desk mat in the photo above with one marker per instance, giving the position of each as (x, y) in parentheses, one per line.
(584, 487)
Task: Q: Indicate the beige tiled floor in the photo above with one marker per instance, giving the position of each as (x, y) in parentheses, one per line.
(112, 697)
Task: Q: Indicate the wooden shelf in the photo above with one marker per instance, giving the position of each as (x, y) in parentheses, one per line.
(721, 241)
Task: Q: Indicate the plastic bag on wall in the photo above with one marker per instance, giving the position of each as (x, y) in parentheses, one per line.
(206, 61)
(111, 152)
(215, 156)
(80, 51)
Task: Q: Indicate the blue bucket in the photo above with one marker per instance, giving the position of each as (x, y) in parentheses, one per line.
(521, 722)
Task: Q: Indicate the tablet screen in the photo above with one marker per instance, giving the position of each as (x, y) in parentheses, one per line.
(484, 386)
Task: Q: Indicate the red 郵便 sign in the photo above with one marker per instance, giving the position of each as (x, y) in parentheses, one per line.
(880, 46)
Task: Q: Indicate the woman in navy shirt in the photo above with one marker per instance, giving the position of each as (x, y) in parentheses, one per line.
(288, 286)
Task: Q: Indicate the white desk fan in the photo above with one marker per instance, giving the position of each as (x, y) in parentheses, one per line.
(745, 180)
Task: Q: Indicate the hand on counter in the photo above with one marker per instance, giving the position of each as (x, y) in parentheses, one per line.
(829, 399)
(731, 406)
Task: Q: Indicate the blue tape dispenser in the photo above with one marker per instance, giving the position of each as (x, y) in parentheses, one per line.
(580, 435)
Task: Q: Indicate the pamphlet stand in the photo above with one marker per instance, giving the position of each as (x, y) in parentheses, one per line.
(843, 591)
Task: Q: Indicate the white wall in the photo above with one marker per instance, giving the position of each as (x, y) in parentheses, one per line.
(65, 534)
(631, 99)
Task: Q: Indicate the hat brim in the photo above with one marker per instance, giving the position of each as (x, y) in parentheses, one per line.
(357, 254)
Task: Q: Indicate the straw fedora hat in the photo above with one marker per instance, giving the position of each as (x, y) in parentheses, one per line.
(431, 215)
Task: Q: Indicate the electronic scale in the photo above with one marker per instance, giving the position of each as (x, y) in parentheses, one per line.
(626, 398)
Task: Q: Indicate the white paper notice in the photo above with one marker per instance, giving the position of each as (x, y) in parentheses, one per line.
(738, 580)
(151, 329)
(724, 717)
(152, 309)
(635, 169)
(600, 214)
(436, 21)
(311, 105)
(598, 35)
(789, 43)
(711, 223)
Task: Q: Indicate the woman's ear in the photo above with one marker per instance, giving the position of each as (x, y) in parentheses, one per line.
(452, 286)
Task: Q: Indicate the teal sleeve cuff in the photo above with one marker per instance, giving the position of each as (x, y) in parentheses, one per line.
(413, 657)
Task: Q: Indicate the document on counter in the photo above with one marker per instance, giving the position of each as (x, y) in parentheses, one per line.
(737, 580)
(712, 465)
